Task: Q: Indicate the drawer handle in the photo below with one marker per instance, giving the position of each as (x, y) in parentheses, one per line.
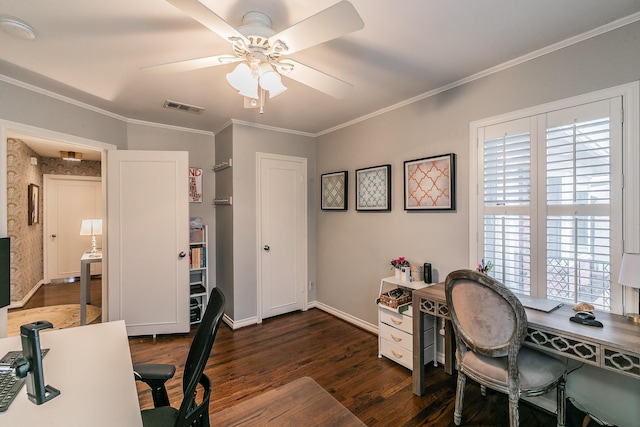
(398, 355)
(397, 322)
(395, 338)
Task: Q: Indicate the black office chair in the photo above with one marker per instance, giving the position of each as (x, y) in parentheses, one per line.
(191, 413)
(490, 325)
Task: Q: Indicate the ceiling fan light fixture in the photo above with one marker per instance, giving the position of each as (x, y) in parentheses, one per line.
(242, 80)
(272, 82)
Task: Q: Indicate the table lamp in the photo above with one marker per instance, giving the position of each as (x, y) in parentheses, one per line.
(93, 228)
(630, 276)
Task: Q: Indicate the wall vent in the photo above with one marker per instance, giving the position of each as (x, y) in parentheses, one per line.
(173, 105)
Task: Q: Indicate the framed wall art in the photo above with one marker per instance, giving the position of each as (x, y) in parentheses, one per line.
(195, 185)
(373, 189)
(333, 190)
(33, 205)
(429, 183)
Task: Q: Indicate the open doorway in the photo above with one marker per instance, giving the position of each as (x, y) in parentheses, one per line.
(38, 156)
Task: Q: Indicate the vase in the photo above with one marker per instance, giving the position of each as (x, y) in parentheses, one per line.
(398, 273)
(405, 274)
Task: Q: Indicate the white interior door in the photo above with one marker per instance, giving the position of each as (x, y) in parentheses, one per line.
(148, 234)
(67, 201)
(282, 219)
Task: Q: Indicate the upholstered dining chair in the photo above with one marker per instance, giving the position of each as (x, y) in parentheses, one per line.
(191, 412)
(490, 325)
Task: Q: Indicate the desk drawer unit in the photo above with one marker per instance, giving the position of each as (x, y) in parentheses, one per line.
(395, 337)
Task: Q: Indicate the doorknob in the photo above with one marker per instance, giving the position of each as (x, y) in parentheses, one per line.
(182, 254)
(54, 235)
(266, 248)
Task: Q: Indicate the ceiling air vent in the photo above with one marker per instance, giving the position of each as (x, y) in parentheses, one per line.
(183, 107)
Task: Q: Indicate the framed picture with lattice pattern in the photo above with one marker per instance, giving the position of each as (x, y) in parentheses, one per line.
(333, 191)
(373, 189)
(429, 183)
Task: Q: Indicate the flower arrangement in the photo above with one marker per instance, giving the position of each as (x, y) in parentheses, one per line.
(485, 268)
(400, 262)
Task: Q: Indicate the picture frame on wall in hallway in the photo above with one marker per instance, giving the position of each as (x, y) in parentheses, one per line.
(33, 205)
(373, 189)
(333, 191)
(429, 183)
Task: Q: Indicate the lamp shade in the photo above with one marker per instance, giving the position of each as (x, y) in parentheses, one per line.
(630, 270)
(91, 227)
(243, 80)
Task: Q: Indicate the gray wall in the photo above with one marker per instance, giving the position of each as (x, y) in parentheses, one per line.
(224, 220)
(354, 249)
(247, 141)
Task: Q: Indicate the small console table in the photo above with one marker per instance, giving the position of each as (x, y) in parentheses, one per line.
(85, 282)
(615, 347)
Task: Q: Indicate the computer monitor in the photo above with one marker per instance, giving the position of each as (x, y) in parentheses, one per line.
(5, 273)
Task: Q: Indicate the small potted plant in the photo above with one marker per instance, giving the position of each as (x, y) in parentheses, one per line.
(402, 268)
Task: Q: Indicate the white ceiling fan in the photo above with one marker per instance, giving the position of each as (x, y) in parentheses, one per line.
(263, 53)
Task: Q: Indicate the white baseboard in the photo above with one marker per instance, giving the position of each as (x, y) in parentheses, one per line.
(239, 323)
(27, 297)
(347, 317)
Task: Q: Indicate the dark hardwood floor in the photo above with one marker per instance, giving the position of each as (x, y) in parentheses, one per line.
(340, 357)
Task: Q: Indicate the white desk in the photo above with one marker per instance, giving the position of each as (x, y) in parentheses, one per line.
(91, 366)
(85, 282)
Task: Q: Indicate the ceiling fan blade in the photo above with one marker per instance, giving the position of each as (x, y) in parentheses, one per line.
(335, 21)
(191, 64)
(317, 79)
(208, 18)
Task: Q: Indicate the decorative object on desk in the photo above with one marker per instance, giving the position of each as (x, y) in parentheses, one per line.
(333, 191)
(373, 189)
(485, 268)
(429, 183)
(397, 264)
(629, 276)
(93, 228)
(195, 185)
(61, 317)
(33, 207)
(405, 273)
(586, 318)
(416, 273)
(426, 273)
(584, 306)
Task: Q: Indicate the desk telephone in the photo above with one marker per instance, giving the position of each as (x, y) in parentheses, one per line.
(586, 318)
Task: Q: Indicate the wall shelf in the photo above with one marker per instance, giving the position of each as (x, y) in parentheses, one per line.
(222, 165)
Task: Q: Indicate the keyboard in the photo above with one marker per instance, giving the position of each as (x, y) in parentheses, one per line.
(10, 385)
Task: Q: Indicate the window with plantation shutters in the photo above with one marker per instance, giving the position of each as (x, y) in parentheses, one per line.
(507, 203)
(546, 203)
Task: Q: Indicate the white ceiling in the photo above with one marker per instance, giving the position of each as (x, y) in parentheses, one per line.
(92, 51)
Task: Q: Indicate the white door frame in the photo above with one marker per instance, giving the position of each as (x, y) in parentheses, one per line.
(8, 127)
(305, 268)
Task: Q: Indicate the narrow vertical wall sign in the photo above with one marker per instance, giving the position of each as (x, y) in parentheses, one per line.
(195, 185)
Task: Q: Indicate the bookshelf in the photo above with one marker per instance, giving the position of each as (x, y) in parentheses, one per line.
(198, 272)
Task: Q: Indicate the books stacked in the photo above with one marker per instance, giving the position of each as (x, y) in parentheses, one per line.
(198, 257)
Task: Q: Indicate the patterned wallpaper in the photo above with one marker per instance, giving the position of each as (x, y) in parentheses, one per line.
(27, 240)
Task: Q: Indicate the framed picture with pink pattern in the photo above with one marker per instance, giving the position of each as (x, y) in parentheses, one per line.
(429, 183)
